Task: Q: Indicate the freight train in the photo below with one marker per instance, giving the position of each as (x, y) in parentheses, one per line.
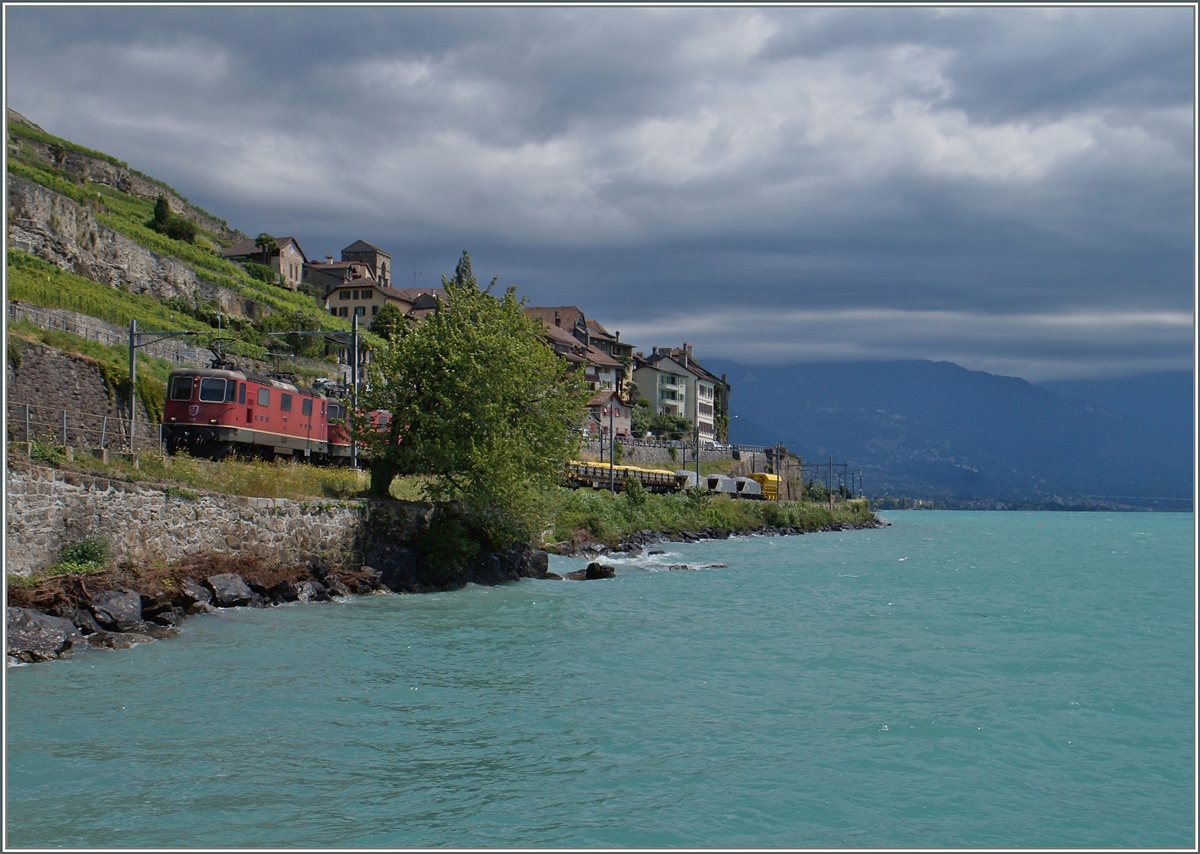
(757, 486)
(222, 410)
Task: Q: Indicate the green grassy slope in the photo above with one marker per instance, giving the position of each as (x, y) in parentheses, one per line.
(127, 214)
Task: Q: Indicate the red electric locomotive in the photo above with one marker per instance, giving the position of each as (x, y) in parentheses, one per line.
(213, 411)
(339, 439)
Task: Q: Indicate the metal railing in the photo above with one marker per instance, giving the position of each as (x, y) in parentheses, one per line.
(94, 329)
(29, 422)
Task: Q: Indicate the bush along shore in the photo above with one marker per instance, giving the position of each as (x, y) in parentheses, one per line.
(589, 523)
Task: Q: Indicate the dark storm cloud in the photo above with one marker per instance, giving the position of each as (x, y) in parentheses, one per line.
(991, 170)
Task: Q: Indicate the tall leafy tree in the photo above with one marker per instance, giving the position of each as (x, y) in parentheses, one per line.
(162, 210)
(388, 321)
(266, 244)
(479, 403)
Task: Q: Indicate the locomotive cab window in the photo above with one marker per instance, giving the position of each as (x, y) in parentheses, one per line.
(181, 388)
(285, 402)
(212, 389)
(241, 392)
(306, 406)
(264, 397)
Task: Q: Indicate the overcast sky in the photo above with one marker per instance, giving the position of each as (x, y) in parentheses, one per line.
(1009, 189)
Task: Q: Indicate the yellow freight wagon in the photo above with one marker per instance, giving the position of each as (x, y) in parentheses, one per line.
(596, 476)
(769, 484)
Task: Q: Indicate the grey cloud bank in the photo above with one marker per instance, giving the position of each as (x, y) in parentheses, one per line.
(1009, 189)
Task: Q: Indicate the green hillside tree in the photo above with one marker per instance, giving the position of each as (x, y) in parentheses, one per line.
(171, 224)
(479, 404)
(388, 322)
(162, 211)
(266, 244)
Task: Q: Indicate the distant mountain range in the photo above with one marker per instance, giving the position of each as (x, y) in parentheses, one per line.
(937, 431)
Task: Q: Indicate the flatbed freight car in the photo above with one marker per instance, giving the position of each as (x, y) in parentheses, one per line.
(596, 476)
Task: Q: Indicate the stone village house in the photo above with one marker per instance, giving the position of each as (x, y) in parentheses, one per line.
(287, 259)
(674, 386)
(603, 406)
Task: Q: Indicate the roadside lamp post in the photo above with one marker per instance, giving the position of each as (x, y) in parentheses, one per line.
(600, 428)
(612, 447)
(354, 391)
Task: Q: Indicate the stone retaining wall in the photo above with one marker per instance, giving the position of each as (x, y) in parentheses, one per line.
(52, 381)
(148, 524)
(634, 454)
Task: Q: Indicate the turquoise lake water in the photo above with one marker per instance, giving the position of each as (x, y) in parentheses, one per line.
(957, 679)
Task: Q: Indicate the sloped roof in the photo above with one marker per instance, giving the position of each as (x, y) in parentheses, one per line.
(246, 248)
(360, 245)
(360, 282)
(413, 294)
(672, 366)
(600, 358)
(602, 397)
(568, 315)
(594, 326)
(555, 333)
(677, 354)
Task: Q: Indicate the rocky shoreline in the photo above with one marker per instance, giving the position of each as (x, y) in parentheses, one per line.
(644, 540)
(119, 610)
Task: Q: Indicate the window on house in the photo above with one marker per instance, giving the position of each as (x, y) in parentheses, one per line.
(360, 310)
(343, 295)
(264, 397)
(343, 312)
(374, 310)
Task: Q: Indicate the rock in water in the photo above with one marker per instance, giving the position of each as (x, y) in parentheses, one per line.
(594, 570)
(117, 640)
(284, 591)
(34, 636)
(118, 610)
(311, 591)
(396, 565)
(537, 566)
(229, 590)
(192, 594)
